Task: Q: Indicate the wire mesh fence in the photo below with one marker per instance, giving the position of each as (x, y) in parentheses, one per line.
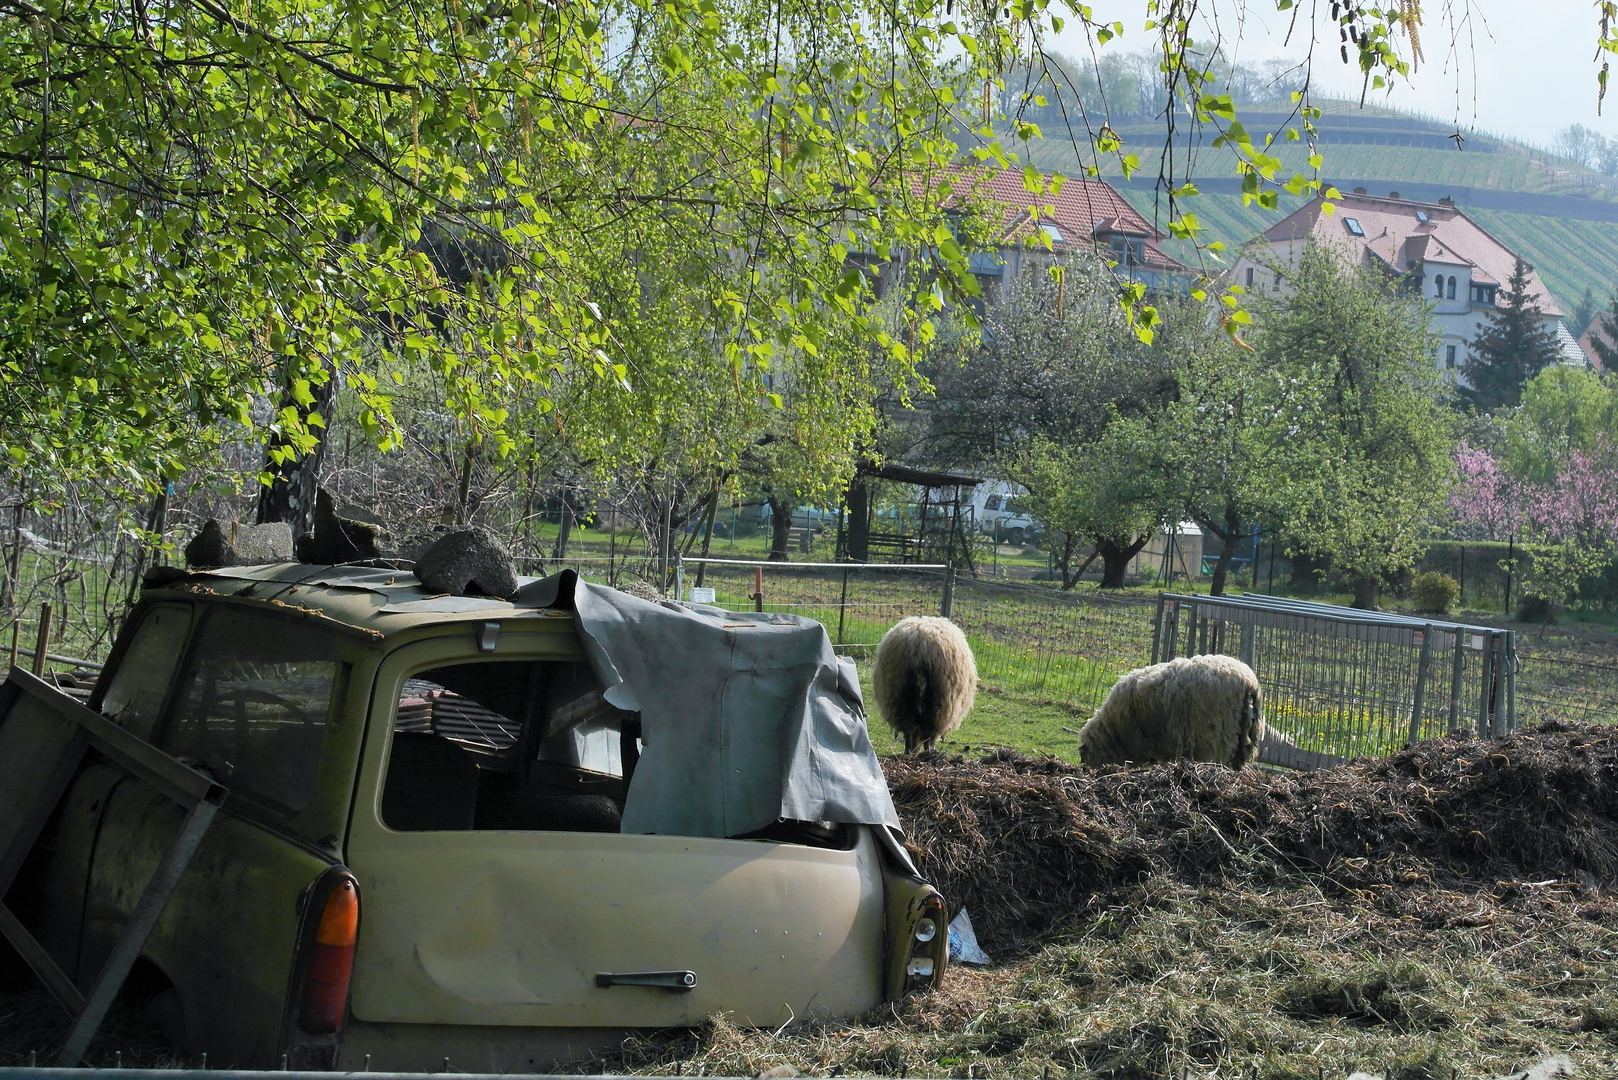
(1351, 690)
(1343, 683)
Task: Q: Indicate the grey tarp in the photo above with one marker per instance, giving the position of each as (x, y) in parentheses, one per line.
(745, 718)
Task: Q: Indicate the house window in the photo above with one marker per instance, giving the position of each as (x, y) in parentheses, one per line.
(1451, 293)
(1278, 279)
(1053, 232)
(1438, 286)
(1482, 294)
(1129, 252)
(1249, 277)
(1421, 216)
(1353, 225)
(1449, 357)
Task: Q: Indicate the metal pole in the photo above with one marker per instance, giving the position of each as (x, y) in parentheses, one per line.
(1421, 685)
(842, 606)
(1455, 679)
(1157, 627)
(1511, 680)
(949, 593)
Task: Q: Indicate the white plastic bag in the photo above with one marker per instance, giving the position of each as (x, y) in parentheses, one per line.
(963, 941)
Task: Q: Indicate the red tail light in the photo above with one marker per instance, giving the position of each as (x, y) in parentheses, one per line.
(331, 961)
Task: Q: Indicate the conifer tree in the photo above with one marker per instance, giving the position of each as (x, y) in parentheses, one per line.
(1512, 347)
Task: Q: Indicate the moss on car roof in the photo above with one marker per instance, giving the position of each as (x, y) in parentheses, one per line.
(379, 600)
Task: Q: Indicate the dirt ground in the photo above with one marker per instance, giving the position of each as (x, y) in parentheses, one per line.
(1446, 912)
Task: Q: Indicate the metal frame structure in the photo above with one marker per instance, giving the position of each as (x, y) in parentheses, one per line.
(1374, 674)
(44, 736)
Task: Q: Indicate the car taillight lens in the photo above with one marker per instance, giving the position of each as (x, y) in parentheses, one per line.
(331, 961)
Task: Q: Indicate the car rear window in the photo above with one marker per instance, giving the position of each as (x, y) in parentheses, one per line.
(253, 704)
(134, 697)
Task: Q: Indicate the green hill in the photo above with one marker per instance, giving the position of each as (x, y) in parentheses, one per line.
(1560, 217)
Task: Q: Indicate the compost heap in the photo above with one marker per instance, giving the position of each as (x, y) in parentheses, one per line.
(1028, 844)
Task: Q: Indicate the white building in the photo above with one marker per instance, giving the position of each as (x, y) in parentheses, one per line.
(1452, 260)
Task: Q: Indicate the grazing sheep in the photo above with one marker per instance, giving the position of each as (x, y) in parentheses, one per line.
(1197, 708)
(925, 679)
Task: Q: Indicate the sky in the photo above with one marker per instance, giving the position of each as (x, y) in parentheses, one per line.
(1521, 68)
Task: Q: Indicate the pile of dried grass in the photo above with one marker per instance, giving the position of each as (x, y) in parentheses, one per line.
(1029, 845)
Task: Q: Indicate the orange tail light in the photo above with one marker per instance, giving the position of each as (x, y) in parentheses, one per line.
(331, 961)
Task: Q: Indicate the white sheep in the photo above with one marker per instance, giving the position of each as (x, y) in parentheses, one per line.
(925, 679)
(1196, 708)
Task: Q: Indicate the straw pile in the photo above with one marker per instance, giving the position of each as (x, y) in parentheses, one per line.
(1031, 845)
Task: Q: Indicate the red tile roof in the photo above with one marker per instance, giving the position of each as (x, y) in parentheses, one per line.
(1085, 212)
(1394, 237)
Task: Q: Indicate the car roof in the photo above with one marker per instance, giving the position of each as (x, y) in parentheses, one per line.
(375, 599)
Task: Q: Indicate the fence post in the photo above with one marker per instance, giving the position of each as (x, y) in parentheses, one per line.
(842, 606)
(758, 588)
(1421, 684)
(949, 592)
(1191, 631)
(1249, 633)
(1484, 703)
(1455, 680)
(1511, 680)
(1157, 627)
(44, 639)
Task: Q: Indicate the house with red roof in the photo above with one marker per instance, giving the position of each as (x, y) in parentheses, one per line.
(1455, 263)
(1083, 215)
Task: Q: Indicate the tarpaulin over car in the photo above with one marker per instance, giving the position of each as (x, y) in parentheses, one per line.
(745, 718)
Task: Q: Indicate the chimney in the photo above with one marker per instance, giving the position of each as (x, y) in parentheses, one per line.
(1359, 191)
(1393, 194)
(1447, 201)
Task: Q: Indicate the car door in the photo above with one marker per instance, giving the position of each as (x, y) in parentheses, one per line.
(509, 926)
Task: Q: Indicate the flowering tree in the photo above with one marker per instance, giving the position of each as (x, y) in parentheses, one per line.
(1573, 516)
(1487, 499)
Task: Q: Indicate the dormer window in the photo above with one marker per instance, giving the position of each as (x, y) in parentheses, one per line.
(1483, 294)
(1353, 226)
(1127, 250)
(1421, 217)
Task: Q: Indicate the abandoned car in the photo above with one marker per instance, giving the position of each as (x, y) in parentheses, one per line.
(500, 831)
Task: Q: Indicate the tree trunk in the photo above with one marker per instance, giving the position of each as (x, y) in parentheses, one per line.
(564, 528)
(858, 516)
(1365, 590)
(1115, 560)
(781, 526)
(290, 495)
(1070, 577)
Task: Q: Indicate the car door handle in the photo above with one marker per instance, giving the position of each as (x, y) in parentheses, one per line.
(679, 981)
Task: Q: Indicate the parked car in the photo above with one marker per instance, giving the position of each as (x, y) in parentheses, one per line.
(419, 857)
(1002, 513)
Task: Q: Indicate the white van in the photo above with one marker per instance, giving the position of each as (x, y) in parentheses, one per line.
(1001, 511)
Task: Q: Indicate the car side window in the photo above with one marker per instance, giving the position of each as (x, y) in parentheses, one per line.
(253, 705)
(134, 697)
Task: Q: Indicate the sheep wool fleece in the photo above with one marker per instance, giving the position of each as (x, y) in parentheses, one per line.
(925, 679)
(1193, 708)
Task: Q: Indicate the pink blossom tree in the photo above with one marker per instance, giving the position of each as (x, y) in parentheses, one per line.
(1487, 498)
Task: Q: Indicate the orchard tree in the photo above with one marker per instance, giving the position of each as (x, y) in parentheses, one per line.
(1357, 400)
(1514, 345)
(1219, 443)
(1064, 398)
